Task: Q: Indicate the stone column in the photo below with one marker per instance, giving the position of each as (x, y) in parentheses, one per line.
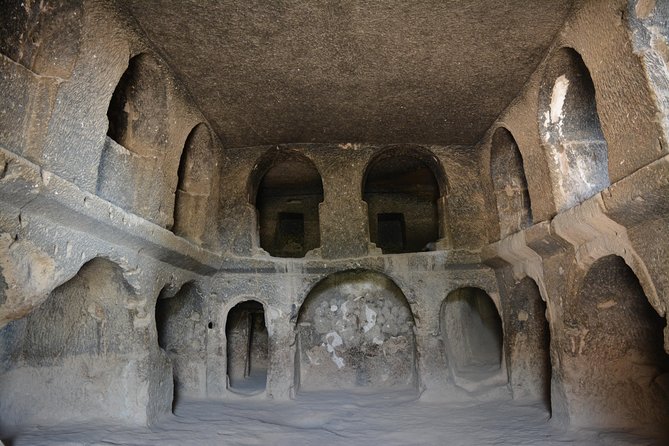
(343, 213)
(281, 372)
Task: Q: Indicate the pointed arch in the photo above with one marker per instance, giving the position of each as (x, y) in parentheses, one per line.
(195, 177)
(509, 184)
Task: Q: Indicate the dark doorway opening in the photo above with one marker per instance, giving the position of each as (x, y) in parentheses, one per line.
(247, 348)
(289, 238)
(391, 235)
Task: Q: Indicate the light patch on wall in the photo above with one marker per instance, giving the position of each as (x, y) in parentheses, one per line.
(644, 8)
(272, 315)
(584, 169)
(333, 340)
(557, 99)
(370, 316)
(606, 305)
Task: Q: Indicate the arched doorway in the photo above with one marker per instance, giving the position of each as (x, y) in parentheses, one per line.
(472, 333)
(247, 347)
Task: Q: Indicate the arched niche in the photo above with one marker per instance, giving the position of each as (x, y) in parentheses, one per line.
(247, 348)
(616, 366)
(59, 327)
(85, 340)
(509, 183)
(355, 329)
(181, 325)
(404, 189)
(570, 128)
(43, 36)
(195, 175)
(528, 343)
(137, 113)
(286, 190)
(471, 329)
(139, 162)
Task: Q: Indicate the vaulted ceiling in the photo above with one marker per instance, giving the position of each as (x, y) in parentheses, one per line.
(378, 71)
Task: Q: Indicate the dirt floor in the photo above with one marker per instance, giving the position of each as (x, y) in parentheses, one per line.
(337, 419)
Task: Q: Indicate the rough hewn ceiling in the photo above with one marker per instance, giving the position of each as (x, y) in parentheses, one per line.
(379, 71)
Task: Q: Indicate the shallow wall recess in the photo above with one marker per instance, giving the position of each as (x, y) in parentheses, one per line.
(355, 329)
(528, 343)
(509, 183)
(570, 129)
(287, 189)
(85, 354)
(138, 108)
(616, 367)
(247, 348)
(472, 333)
(404, 189)
(196, 172)
(181, 324)
(138, 168)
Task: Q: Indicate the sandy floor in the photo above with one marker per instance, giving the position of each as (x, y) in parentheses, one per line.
(337, 419)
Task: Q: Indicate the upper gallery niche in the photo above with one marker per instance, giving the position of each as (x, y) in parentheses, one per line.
(288, 190)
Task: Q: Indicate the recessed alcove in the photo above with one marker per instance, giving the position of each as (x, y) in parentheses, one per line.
(70, 357)
(403, 189)
(247, 348)
(181, 327)
(139, 162)
(355, 330)
(512, 198)
(472, 333)
(287, 189)
(195, 183)
(571, 130)
(620, 357)
(528, 345)
(138, 110)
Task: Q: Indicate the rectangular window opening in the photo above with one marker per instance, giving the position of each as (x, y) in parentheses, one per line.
(391, 236)
(290, 234)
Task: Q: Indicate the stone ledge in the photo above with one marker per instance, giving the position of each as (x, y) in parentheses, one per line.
(34, 191)
(412, 262)
(641, 196)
